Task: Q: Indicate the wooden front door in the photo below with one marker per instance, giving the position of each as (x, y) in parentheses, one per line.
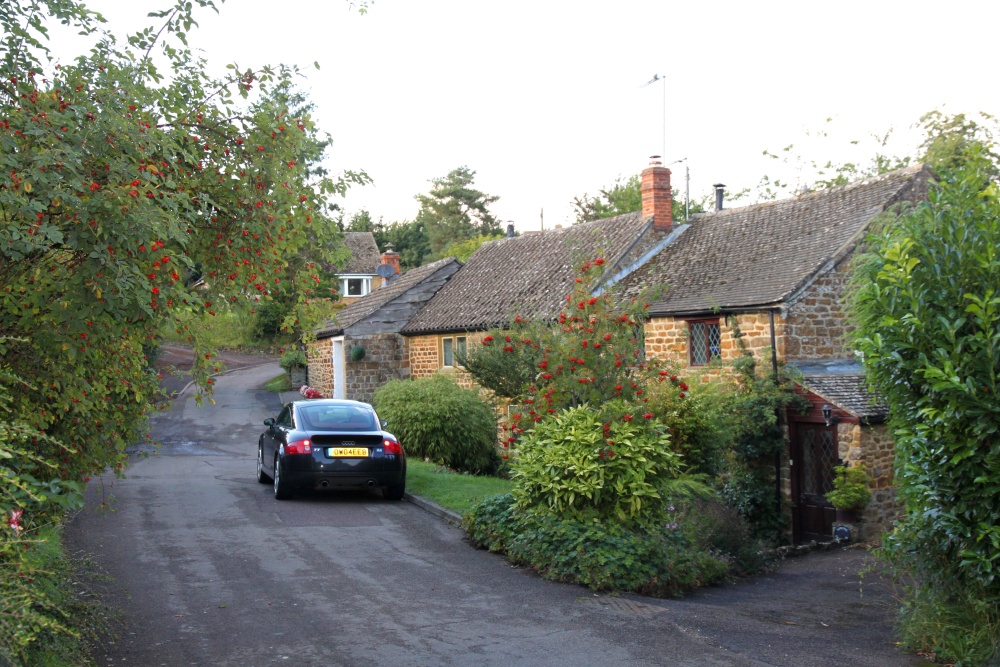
(814, 455)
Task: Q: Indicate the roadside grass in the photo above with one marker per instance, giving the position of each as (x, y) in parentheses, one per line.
(278, 383)
(45, 622)
(454, 491)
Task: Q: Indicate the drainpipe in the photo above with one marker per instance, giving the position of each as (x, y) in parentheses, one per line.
(777, 456)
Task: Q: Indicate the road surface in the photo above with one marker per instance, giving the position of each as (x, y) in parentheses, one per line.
(208, 569)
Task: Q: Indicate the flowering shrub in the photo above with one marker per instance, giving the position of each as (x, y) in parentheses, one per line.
(586, 465)
(308, 392)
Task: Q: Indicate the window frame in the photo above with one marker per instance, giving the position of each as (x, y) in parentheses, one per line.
(457, 343)
(366, 285)
(707, 322)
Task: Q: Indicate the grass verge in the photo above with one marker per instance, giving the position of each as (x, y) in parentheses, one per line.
(451, 490)
(279, 383)
(44, 619)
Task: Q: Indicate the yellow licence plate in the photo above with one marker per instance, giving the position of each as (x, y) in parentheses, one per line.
(340, 452)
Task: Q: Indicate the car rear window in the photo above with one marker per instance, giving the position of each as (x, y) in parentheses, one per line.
(337, 417)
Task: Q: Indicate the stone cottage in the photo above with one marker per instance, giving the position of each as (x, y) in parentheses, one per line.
(776, 270)
(362, 348)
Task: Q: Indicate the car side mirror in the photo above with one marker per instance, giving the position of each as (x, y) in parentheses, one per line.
(383, 422)
(269, 421)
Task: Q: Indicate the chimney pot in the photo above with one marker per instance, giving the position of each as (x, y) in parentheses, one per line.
(510, 230)
(720, 191)
(657, 197)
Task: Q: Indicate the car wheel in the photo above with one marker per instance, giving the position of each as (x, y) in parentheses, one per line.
(281, 490)
(394, 492)
(262, 476)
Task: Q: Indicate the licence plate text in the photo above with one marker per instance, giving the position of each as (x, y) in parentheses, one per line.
(354, 452)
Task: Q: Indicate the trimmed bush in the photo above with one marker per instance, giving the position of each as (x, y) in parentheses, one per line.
(589, 465)
(436, 419)
(659, 561)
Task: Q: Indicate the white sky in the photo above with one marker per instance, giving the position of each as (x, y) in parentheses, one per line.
(544, 98)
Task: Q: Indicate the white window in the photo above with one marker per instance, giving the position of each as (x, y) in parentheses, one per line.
(355, 285)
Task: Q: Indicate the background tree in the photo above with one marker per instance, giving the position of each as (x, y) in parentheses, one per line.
(462, 250)
(454, 210)
(625, 196)
(927, 304)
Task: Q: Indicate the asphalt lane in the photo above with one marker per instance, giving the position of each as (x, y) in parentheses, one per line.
(208, 569)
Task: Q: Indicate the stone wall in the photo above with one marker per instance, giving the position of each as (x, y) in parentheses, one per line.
(385, 359)
(878, 450)
(424, 352)
(817, 324)
(320, 355)
(667, 337)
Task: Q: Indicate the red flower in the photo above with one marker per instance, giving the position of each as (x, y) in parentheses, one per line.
(508, 348)
(592, 300)
(517, 319)
(581, 305)
(627, 418)
(618, 387)
(681, 394)
(648, 415)
(599, 261)
(544, 364)
(607, 336)
(684, 386)
(487, 340)
(673, 378)
(583, 344)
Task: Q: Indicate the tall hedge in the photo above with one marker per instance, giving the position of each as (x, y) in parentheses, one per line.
(928, 309)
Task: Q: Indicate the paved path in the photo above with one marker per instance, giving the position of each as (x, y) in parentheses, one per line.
(211, 570)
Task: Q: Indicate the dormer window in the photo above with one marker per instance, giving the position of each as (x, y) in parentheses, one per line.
(354, 286)
(705, 341)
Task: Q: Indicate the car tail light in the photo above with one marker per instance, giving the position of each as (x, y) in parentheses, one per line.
(390, 446)
(299, 447)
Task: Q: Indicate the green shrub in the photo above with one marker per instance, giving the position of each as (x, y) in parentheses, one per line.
(435, 418)
(712, 525)
(603, 556)
(292, 359)
(696, 413)
(588, 465)
(850, 488)
(269, 319)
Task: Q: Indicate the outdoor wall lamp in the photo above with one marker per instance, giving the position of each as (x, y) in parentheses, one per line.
(828, 417)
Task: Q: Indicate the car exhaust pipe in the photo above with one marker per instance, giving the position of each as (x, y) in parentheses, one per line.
(371, 483)
(324, 484)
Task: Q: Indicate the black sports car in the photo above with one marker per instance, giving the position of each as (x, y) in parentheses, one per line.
(330, 444)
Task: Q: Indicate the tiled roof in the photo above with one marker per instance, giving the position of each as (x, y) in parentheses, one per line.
(848, 392)
(368, 304)
(762, 254)
(364, 253)
(528, 275)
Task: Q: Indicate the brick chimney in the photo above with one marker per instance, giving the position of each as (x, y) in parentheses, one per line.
(657, 198)
(390, 257)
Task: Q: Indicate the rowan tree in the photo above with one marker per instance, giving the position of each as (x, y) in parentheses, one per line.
(117, 183)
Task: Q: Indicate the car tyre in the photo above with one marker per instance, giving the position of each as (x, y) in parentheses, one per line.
(262, 476)
(395, 492)
(281, 488)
